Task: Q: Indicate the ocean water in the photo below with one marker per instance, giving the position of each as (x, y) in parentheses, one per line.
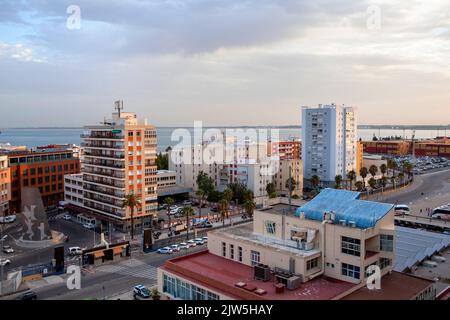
(45, 136)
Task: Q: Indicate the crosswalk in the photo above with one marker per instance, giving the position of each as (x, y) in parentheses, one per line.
(132, 267)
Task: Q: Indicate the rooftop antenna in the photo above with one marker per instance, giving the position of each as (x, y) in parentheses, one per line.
(118, 105)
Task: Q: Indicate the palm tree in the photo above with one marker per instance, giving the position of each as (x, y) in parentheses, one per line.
(373, 170)
(372, 182)
(223, 209)
(407, 167)
(249, 207)
(401, 176)
(351, 175)
(383, 169)
(393, 179)
(359, 185)
(391, 164)
(169, 202)
(290, 185)
(338, 181)
(187, 212)
(201, 195)
(383, 181)
(315, 180)
(270, 189)
(363, 173)
(131, 201)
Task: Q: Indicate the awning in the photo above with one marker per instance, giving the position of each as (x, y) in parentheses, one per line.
(99, 254)
(117, 250)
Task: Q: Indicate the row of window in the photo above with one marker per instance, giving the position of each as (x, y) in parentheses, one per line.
(41, 170)
(232, 252)
(352, 246)
(186, 291)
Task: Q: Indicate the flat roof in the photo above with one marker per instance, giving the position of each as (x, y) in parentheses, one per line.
(394, 286)
(221, 275)
(280, 208)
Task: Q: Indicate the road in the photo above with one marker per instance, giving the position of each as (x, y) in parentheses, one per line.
(429, 190)
(110, 280)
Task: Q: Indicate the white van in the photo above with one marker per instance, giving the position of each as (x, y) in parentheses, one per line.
(75, 251)
(402, 209)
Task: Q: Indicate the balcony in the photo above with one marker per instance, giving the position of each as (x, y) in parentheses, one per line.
(104, 181)
(93, 188)
(96, 145)
(103, 135)
(104, 163)
(98, 198)
(98, 207)
(104, 155)
(106, 173)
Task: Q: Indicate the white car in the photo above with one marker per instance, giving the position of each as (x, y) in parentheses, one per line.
(88, 226)
(8, 249)
(4, 262)
(165, 250)
(192, 243)
(183, 245)
(205, 239)
(67, 217)
(175, 248)
(199, 241)
(75, 251)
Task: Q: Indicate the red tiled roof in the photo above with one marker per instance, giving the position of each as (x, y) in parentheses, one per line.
(221, 275)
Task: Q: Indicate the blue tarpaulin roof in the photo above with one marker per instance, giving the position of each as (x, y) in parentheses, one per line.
(347, 206)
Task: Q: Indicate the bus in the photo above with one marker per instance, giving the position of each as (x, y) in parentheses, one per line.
(441, 213)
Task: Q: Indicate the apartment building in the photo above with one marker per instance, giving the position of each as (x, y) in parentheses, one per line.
(295, 166)
(73, 189)
(329, 145)
(119, 158)
(321, 251)
(288, 149)
(5, 186)
(43, 168)
(166, 179)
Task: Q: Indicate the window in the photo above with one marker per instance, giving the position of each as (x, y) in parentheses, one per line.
(231, 251)
(255, 258)
(185, 291)
(130, 133)
(312, 264)
(240, 254)
(385, 262)
(386, 242)
(270, 227)
(351, 246)
(367, 272)
(351, 271)
(224, 249)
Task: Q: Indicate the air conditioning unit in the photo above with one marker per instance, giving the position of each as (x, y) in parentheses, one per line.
(342, 223)
(294, 283)
(352, 224)
(262, 272)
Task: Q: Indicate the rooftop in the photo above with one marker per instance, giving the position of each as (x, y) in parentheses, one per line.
(394, 286)
(347, 206)
(221, 275)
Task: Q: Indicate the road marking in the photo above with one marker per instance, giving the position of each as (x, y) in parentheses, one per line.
(132, 267)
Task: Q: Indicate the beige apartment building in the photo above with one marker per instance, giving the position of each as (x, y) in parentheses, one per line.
(5, 185)
(120, 159)
(296, 172)
(319, 251)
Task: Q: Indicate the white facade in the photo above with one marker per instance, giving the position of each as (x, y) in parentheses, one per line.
(166, 179)
(73, 189)
(329, 145)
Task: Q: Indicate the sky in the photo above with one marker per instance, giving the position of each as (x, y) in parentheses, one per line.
(223, 62)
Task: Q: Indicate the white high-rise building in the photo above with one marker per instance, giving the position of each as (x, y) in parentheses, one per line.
(329, 142)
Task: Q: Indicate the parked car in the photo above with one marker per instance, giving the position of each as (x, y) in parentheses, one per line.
(175, 248)
(141, 291)
(4, 262)
(29, 295)
(205, 239)
(8, 219)
(187, 203)
(183, 245)
(89, 226)
(165, 250)
(67, 217)
(75, 251)
(8, 249)
(205, 225)
(192, 243)
(199, 241)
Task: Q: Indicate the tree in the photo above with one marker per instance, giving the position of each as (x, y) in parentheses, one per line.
(383, 181)
(372, 182)
(155, 294)
(201, 195)
(359, 185)
(373, 170)
(401, 177)
(249, 207)
(407, 167)
(162, 161)
(228, 194)
(223, 209)
(351, 175)
(290, 185)
(393, 180)
(271, 190)
(187, 212)
(240, 192)
(363, 173)
(205, 188)
(169, 202)
(338, 181)
(315, 181)
(131, 201)
(392, 165)
(383, 169)
(248, 195)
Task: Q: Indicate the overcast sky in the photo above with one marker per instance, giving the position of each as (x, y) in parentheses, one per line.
(226, 62)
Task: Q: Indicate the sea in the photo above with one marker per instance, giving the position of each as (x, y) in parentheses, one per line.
(33, 137)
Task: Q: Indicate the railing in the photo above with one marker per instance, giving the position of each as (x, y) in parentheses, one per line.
(118, 175)
(91, 196)
(100, 154)
(105, 182)
(103, 146)
(103, 136)
(104, 191)
(104, 163)
(92, 205)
